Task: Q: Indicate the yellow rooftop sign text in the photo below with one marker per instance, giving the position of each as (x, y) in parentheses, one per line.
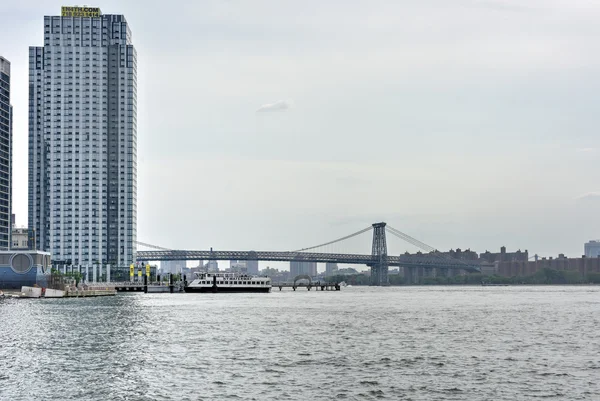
(81, 12)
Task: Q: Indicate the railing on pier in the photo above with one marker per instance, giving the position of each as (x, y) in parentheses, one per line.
(318, 286)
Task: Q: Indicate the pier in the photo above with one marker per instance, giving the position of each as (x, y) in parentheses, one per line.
(317, 286)
(130, 287)
(146, 287)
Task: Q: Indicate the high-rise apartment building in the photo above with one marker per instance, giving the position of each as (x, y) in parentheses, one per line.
(252, 266)
(83, 138)
(300, 267)
(331, 269)
(5, 156)
(172, 266)
(591, 249)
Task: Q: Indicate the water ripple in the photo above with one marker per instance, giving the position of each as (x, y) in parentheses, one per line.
(418, 343)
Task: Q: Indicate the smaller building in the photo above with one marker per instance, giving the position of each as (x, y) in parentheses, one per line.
(20, 239)
(24, 268)
(212, 266)
(331, 269)
(504, 256)
(462, 255)
(592, 249)
(172, 266)
(299, 267)
(252, 266)
(237, 266)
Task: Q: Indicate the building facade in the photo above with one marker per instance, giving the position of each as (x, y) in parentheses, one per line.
(504, 256)
(592, 249)
(331, 269)
(83, 139)
(20, 239)
(299, 267)
(237, 266)
(19, 268)
(252, 266)
(172, 266)
(212, 266)
(5, 156)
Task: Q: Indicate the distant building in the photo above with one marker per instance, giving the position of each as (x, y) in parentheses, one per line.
(172, 266)
(350, 271)
(298, 267)
(252, 267)
(331, 269)
(276, 275)
(5, 155)
(583, 266)
(193, 270)
(504, 256)
(212, 266)
(592, 249)
(460, 254)
(20, 239)
(237, 266)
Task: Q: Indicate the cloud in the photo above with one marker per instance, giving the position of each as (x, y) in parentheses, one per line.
(586, 150)
(501, 5)
(589, 197)
(281, 105)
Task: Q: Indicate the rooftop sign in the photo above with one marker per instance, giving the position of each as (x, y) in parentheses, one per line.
(80, 12)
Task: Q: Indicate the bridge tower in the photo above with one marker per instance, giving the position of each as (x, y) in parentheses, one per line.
(379, 270)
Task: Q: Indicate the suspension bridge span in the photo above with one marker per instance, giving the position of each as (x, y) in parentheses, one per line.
(379, 260)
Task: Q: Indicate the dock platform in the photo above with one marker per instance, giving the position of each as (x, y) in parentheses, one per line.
(317, 286)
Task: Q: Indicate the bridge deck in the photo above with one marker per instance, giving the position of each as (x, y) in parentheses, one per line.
(425, 260)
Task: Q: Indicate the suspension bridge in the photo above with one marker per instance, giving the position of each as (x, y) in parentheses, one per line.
(379, 261)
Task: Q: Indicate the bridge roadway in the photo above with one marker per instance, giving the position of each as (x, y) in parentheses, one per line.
(427, 260)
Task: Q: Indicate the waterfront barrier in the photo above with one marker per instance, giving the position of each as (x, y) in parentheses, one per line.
(317, 286)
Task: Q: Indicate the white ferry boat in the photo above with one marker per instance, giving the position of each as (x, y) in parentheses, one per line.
(228, 282)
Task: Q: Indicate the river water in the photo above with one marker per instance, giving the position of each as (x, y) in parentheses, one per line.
(408, 343)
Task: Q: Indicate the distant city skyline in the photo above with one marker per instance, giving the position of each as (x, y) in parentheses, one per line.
(295, 123)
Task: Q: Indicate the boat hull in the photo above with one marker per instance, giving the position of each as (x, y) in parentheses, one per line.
(225, 289)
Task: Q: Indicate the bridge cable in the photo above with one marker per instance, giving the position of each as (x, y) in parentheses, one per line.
(431, 251)
(152, 246)
(337, 240)
(421, 245)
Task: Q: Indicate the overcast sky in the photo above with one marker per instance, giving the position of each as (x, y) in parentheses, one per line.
(283, 124)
